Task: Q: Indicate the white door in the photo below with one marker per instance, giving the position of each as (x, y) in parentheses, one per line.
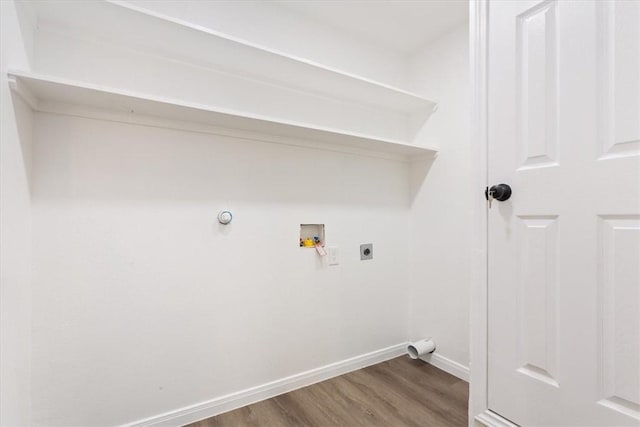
(564, 250)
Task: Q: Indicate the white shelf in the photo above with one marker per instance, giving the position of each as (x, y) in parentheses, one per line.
(127, 25)
(51, 94)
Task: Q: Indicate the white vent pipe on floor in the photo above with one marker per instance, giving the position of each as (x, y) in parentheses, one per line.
(421, 348)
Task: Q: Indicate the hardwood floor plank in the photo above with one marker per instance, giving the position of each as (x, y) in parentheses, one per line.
(399, 392)
(427, 380)
(355, 401)
(310, 407)
(409, 401)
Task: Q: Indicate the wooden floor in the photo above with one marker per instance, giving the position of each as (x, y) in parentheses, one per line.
(399, 392)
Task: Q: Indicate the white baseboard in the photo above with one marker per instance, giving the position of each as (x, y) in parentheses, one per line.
(210, 408)
(454, 368)
(491, 419)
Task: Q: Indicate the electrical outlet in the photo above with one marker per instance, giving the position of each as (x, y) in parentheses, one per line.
(333, 255)
(366, 251)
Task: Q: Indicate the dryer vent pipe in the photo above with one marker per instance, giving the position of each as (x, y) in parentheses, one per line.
(421, 348)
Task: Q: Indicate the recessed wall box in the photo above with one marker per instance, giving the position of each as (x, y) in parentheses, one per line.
(366, 251)
(310, 234)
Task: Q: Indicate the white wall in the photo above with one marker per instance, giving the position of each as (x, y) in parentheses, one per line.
(441, 214)
(144, 304)
(15, 223)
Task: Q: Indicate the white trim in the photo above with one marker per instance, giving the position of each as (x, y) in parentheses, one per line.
(478, 44)
(491, 419)
(452, 367)
(218, 405)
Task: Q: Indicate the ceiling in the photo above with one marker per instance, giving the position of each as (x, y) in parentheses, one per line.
(401, 25)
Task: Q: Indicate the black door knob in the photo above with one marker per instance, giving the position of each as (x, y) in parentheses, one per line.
(500, 192)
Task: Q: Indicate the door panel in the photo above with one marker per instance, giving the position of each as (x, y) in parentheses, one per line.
(564, 250)
(619, 312)
(536, 56)
(618, 81)
(536, 295)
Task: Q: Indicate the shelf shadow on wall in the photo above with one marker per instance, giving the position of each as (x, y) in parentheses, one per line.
(80, 159)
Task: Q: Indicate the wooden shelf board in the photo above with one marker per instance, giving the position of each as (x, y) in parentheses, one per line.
(39, 90)
(129, 25)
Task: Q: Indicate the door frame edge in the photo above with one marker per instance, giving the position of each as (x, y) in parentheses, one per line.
(479, 412)
(479, 63)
